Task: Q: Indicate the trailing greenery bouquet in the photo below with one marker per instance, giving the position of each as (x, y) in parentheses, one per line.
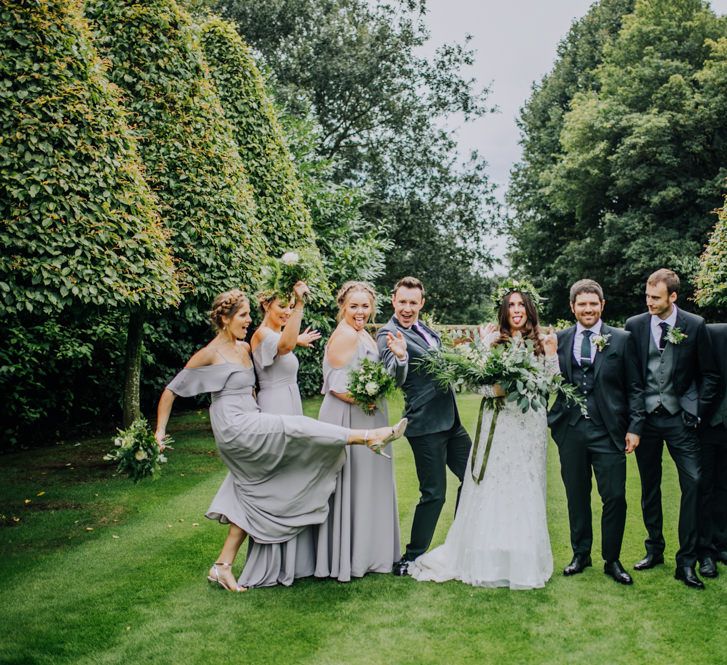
(370, 383)
(137, 452)
(514, 366)
(281, 275)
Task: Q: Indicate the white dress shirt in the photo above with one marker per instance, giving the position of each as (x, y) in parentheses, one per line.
(656, 328)
(578, 340)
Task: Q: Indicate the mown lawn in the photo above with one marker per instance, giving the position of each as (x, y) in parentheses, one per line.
(95, 570)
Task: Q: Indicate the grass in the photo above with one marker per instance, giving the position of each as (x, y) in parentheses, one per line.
(96, 570)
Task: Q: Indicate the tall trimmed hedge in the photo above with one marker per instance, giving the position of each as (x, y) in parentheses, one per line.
(78, 222)
(712, 275)
(191, 159)
(285, 219)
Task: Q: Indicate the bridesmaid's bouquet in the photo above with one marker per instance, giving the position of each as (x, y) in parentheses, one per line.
(137, 453)
(281, 275)
(370, 383)
(514, 366)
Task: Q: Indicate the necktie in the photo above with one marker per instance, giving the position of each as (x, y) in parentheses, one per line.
(586, 349)
(664, 331)
(422, 333)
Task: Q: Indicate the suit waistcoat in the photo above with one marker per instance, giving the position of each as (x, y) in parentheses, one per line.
(659, 389)
(584, 380)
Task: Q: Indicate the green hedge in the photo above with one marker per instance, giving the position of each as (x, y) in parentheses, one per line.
(191, 158)
(78, 221)
(285, 219)
(712, 276)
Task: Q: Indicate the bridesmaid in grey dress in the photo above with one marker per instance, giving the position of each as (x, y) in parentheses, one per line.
(361, 534)
(282, 468)
(277, 373)
(272, 352)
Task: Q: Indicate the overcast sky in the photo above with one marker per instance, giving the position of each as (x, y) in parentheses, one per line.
(516, 43)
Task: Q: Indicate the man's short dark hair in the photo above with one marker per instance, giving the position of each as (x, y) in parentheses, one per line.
(585, 286)
(669, 277)
(408, 283)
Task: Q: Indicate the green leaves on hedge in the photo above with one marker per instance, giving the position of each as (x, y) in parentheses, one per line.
(285, 219)
(187, 145)
(79, 223)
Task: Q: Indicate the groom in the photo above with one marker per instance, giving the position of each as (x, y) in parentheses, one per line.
(434, 432)
(600, 361)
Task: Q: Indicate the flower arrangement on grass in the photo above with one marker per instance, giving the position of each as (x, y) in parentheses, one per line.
(370, 383)
(137, 452)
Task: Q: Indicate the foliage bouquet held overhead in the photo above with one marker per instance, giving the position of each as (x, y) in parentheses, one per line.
(370, 383)
(137, 453)
(281, 275)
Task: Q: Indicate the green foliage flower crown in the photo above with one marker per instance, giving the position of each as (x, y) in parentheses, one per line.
(511, 285)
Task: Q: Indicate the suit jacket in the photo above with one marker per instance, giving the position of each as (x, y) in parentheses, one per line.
(618, 390)
(694, 374)
(718, 337)
(428, 406)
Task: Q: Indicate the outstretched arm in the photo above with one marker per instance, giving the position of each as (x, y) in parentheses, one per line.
(393, 353)
(164, 410)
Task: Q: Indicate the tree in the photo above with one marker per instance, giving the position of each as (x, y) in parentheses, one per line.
(187, 146)
(80, 230)
(537, 226)
(380, 107)
(642, 153)
(284, 217)
(711, 280)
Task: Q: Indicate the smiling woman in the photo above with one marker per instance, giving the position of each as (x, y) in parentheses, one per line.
(275, 461)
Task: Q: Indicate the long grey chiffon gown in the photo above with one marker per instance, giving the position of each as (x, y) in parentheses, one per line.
(282, 468)
(278, 563)
(361, 534)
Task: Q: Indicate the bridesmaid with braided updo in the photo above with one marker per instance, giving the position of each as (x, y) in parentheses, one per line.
(361, 534)
(282, 468)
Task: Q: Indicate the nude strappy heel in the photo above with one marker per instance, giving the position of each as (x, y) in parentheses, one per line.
(214, 577)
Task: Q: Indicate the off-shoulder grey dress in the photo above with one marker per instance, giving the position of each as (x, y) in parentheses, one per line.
(277, 378)
(282, 468)
(361, 534)
(278, 563)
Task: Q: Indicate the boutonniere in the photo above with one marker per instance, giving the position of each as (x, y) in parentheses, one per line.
(601, 341)
(675, 336)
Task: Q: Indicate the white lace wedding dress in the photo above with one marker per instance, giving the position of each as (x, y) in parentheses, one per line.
(499, 537)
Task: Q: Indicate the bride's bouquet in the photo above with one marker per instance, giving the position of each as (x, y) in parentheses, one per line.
(370, 383)
(137, 453)
(523, 376)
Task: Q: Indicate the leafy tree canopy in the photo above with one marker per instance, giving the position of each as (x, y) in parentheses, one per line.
(640, 162)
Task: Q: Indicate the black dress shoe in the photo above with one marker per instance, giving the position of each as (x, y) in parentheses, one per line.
(579, 563)
(688, 575)
(707, 567)
(721, 556)
(616, 570)
(401, 567)
(649, 561)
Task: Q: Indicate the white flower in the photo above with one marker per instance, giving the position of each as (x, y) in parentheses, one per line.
(371, 388)
(140, 455)
(601, 341)
(290, 258)
(118, 441)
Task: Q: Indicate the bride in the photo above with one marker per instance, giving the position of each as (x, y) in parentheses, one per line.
(499, 537)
